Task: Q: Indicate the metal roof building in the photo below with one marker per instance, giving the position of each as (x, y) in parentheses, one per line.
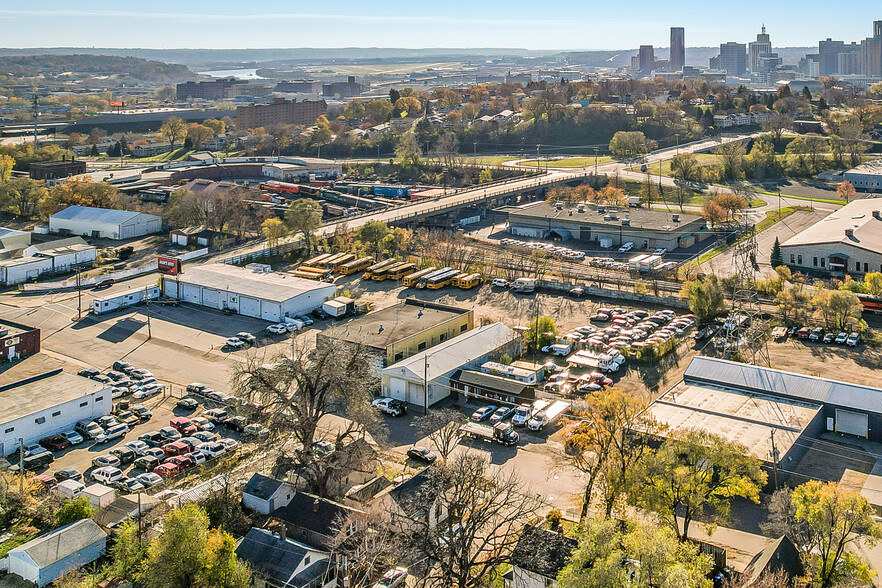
(406, 379)
(103, 223)
(269, 296)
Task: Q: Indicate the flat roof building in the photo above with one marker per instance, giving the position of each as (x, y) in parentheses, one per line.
(269, 296)
(52, 170)
(646, 228)
(866, 177)
(46, 403)
(280, 112)
(397, 332)
(848, 241)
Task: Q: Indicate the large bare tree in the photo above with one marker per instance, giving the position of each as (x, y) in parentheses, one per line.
(484, 510)
(442, 428)
(298, 391)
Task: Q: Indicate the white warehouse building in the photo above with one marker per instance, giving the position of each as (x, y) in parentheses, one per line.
(103, 223)
(48, 403)
(848, 241)
(269, 296)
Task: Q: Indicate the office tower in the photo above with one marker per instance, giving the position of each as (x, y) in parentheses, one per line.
(871, 53)
(647, 58)
(828, 56)
(763, 44)
(733, 58)
(678, 49)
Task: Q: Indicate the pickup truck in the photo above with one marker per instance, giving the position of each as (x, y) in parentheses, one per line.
(502, 433)
(525, 412)
(562, 349)
(548, 416)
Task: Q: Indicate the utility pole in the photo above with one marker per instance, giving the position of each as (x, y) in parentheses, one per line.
(779, 203)
(595, 167)
(36, 114)
(774, 459)
(147, 304)
(79, 290)
(139, 519)
(537, 156)
(476, 151)
(425, 382)
(21, 472)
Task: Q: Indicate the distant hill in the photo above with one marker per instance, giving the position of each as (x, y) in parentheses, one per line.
(51, 66)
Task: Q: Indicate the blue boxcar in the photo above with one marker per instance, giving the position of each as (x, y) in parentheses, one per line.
(393, 191)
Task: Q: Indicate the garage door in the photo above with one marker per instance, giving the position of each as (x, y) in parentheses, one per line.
(190, 293)
(269, 311)
(211, 298)
(415, 394)
(249, 306)
(853, 423)
(398, 389)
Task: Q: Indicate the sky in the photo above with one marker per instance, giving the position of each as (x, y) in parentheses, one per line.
(535, 24)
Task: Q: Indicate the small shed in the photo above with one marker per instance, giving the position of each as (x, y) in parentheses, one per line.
(50, 556)
(263, 494)
(69, 488)
(99, 495)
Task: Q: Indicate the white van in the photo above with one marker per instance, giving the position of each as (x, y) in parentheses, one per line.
(107, 475)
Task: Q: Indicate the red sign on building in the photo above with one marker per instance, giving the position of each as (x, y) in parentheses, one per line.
(169, 265)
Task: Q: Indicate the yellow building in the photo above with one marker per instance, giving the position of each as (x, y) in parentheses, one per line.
(400, 331)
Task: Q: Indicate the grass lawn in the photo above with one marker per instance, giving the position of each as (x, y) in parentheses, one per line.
(18, 538)
(570, 161)
(635, 188)
(488, 159)
(772, 217)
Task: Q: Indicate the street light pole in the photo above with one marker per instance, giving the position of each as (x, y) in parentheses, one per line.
(537, 157)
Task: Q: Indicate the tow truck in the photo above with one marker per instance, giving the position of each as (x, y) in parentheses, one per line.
(502, 433)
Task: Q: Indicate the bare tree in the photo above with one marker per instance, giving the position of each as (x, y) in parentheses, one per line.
(364, 543)
(442, 429)
(480, 511)
(297, 392)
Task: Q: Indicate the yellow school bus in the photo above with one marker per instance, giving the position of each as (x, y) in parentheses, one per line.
(412, 279)
(469, 281)
(442, 280)
(355, 265)
(377, 267)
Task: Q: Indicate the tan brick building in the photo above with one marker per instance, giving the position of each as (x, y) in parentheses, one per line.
(279, 112)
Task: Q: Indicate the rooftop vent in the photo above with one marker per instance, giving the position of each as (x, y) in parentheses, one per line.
(675, 218)
(877, 214)
(849, 233)
(558, 205)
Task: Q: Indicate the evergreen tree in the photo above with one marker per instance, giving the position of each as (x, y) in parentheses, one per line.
(822, 105)
(394, 95)
(777, 257)
(807, 94)
(94, 150)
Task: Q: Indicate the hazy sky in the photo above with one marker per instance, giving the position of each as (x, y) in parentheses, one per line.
(542, 24)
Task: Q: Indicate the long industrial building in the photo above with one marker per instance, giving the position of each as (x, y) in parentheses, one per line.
(269, 296)
(606, 225)
(754, 406)
(279, 112)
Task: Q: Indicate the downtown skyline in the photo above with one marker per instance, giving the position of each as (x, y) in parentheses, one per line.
(561, 25)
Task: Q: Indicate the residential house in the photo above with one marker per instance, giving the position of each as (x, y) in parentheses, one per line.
(313, 520)
(50, 556)
(263, 494)
(279, 562)
(538, 558)
(413, 500)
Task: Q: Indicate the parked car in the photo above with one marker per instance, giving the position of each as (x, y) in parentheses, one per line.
(129, 485)
(660, 251)
(106, 475)
(166, 470)
(501, 413)
(219, 397)
(420, 453)
(212, 449)
(229, 444)
(256, 430)
(577, 292)
(176, 448)
(107, 421)
(129, 418)
(390, 406)
(147, 463)
(202, 423)
(123, 366)
(499, 283)
(117, 431)
(829, 337)
(73, 437)
(153, 438)
(183, 425)
(140, 374)
(853, 340)
(483, 413)
(626, 247)
(187, 403)
(184, 462)
(55, 443)
(139, 447)
(170, 433)
(204, 436)
(88, 373)
(149, 479)
(393, 578)
(234, 343)
(144, 413)
(803, 333)
(124, 454)
(237, 423)
(817, 334)
(68, 474)
(841, 338)
(278, 329)
(107, 460)
(197, 388)
(215, 415)
(305, 319)
(246, 338)
(320, 314)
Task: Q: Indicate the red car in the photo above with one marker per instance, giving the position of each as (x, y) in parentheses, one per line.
(184, 426)
(55, 443)
(176, 448)
(804, 333)
(183, 462)
(166, 470)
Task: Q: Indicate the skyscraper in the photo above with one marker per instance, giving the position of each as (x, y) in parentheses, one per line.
(733, 58)
(871, 52)
(877, 28)
(678, 49)
(763, 44)
(647, 58)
